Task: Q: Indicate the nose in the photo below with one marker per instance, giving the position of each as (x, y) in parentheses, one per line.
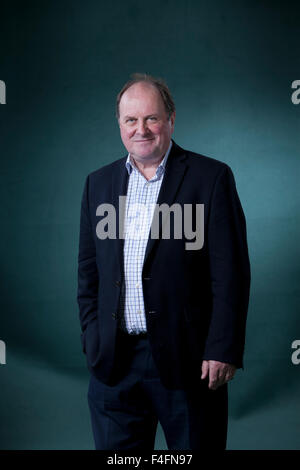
(142, 128)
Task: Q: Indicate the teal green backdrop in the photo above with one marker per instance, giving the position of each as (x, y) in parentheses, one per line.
(230, 66)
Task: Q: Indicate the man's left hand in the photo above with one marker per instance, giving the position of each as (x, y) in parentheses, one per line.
(218, 373)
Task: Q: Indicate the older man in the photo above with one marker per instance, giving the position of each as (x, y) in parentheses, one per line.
(163, 322)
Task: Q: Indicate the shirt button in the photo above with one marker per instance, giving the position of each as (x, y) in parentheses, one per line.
(137, 285)
(139, 312)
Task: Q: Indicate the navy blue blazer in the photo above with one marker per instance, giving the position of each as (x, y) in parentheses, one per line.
(196, 301)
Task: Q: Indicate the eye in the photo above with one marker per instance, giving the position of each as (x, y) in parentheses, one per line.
(153, 118)
(130, 120)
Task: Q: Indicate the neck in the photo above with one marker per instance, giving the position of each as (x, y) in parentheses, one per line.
(148, 165)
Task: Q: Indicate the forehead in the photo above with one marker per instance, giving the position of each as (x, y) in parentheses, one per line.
(141, 97)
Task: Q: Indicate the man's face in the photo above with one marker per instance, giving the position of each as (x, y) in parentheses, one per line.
(144, 125)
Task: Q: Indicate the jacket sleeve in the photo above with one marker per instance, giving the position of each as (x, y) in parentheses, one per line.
(87, 294)
(229, 272)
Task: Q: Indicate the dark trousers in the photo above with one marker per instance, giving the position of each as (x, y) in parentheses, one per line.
(125, 415)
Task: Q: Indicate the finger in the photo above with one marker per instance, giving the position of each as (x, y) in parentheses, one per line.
(220, 372)
(230, 373)
(205, 368)
(213, 378)
(221, 380)
(229, 376)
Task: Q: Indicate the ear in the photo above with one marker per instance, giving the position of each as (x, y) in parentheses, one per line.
(172, 120)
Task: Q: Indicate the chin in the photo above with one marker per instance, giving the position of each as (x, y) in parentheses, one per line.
(146, 152)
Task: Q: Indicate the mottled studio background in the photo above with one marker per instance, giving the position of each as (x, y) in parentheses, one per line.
(230, 65)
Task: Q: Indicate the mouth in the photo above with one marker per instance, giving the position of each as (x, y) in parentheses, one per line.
(144, 140)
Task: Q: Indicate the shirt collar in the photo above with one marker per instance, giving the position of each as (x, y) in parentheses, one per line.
(159, 170)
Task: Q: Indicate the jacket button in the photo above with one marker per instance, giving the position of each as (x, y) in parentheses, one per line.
(113, 315)
(118, 283)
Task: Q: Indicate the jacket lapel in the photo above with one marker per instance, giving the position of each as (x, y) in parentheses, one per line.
(119, 188)
(174, 172)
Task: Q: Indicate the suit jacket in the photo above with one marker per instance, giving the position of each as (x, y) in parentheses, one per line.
(196, 301)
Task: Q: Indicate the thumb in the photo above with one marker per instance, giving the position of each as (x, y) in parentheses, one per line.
(205, 368)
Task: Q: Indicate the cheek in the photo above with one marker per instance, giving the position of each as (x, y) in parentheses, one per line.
(158, 130)
(125, 134)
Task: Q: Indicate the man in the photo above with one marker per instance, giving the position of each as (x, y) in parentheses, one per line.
(163, 321)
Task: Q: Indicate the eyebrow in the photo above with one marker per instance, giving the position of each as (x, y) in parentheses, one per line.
(133, 117)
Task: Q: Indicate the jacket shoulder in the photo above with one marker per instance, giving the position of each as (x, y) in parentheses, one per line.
(107, 170)
(206, 163)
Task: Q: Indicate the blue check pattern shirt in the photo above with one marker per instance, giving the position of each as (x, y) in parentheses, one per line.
(141, 198)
